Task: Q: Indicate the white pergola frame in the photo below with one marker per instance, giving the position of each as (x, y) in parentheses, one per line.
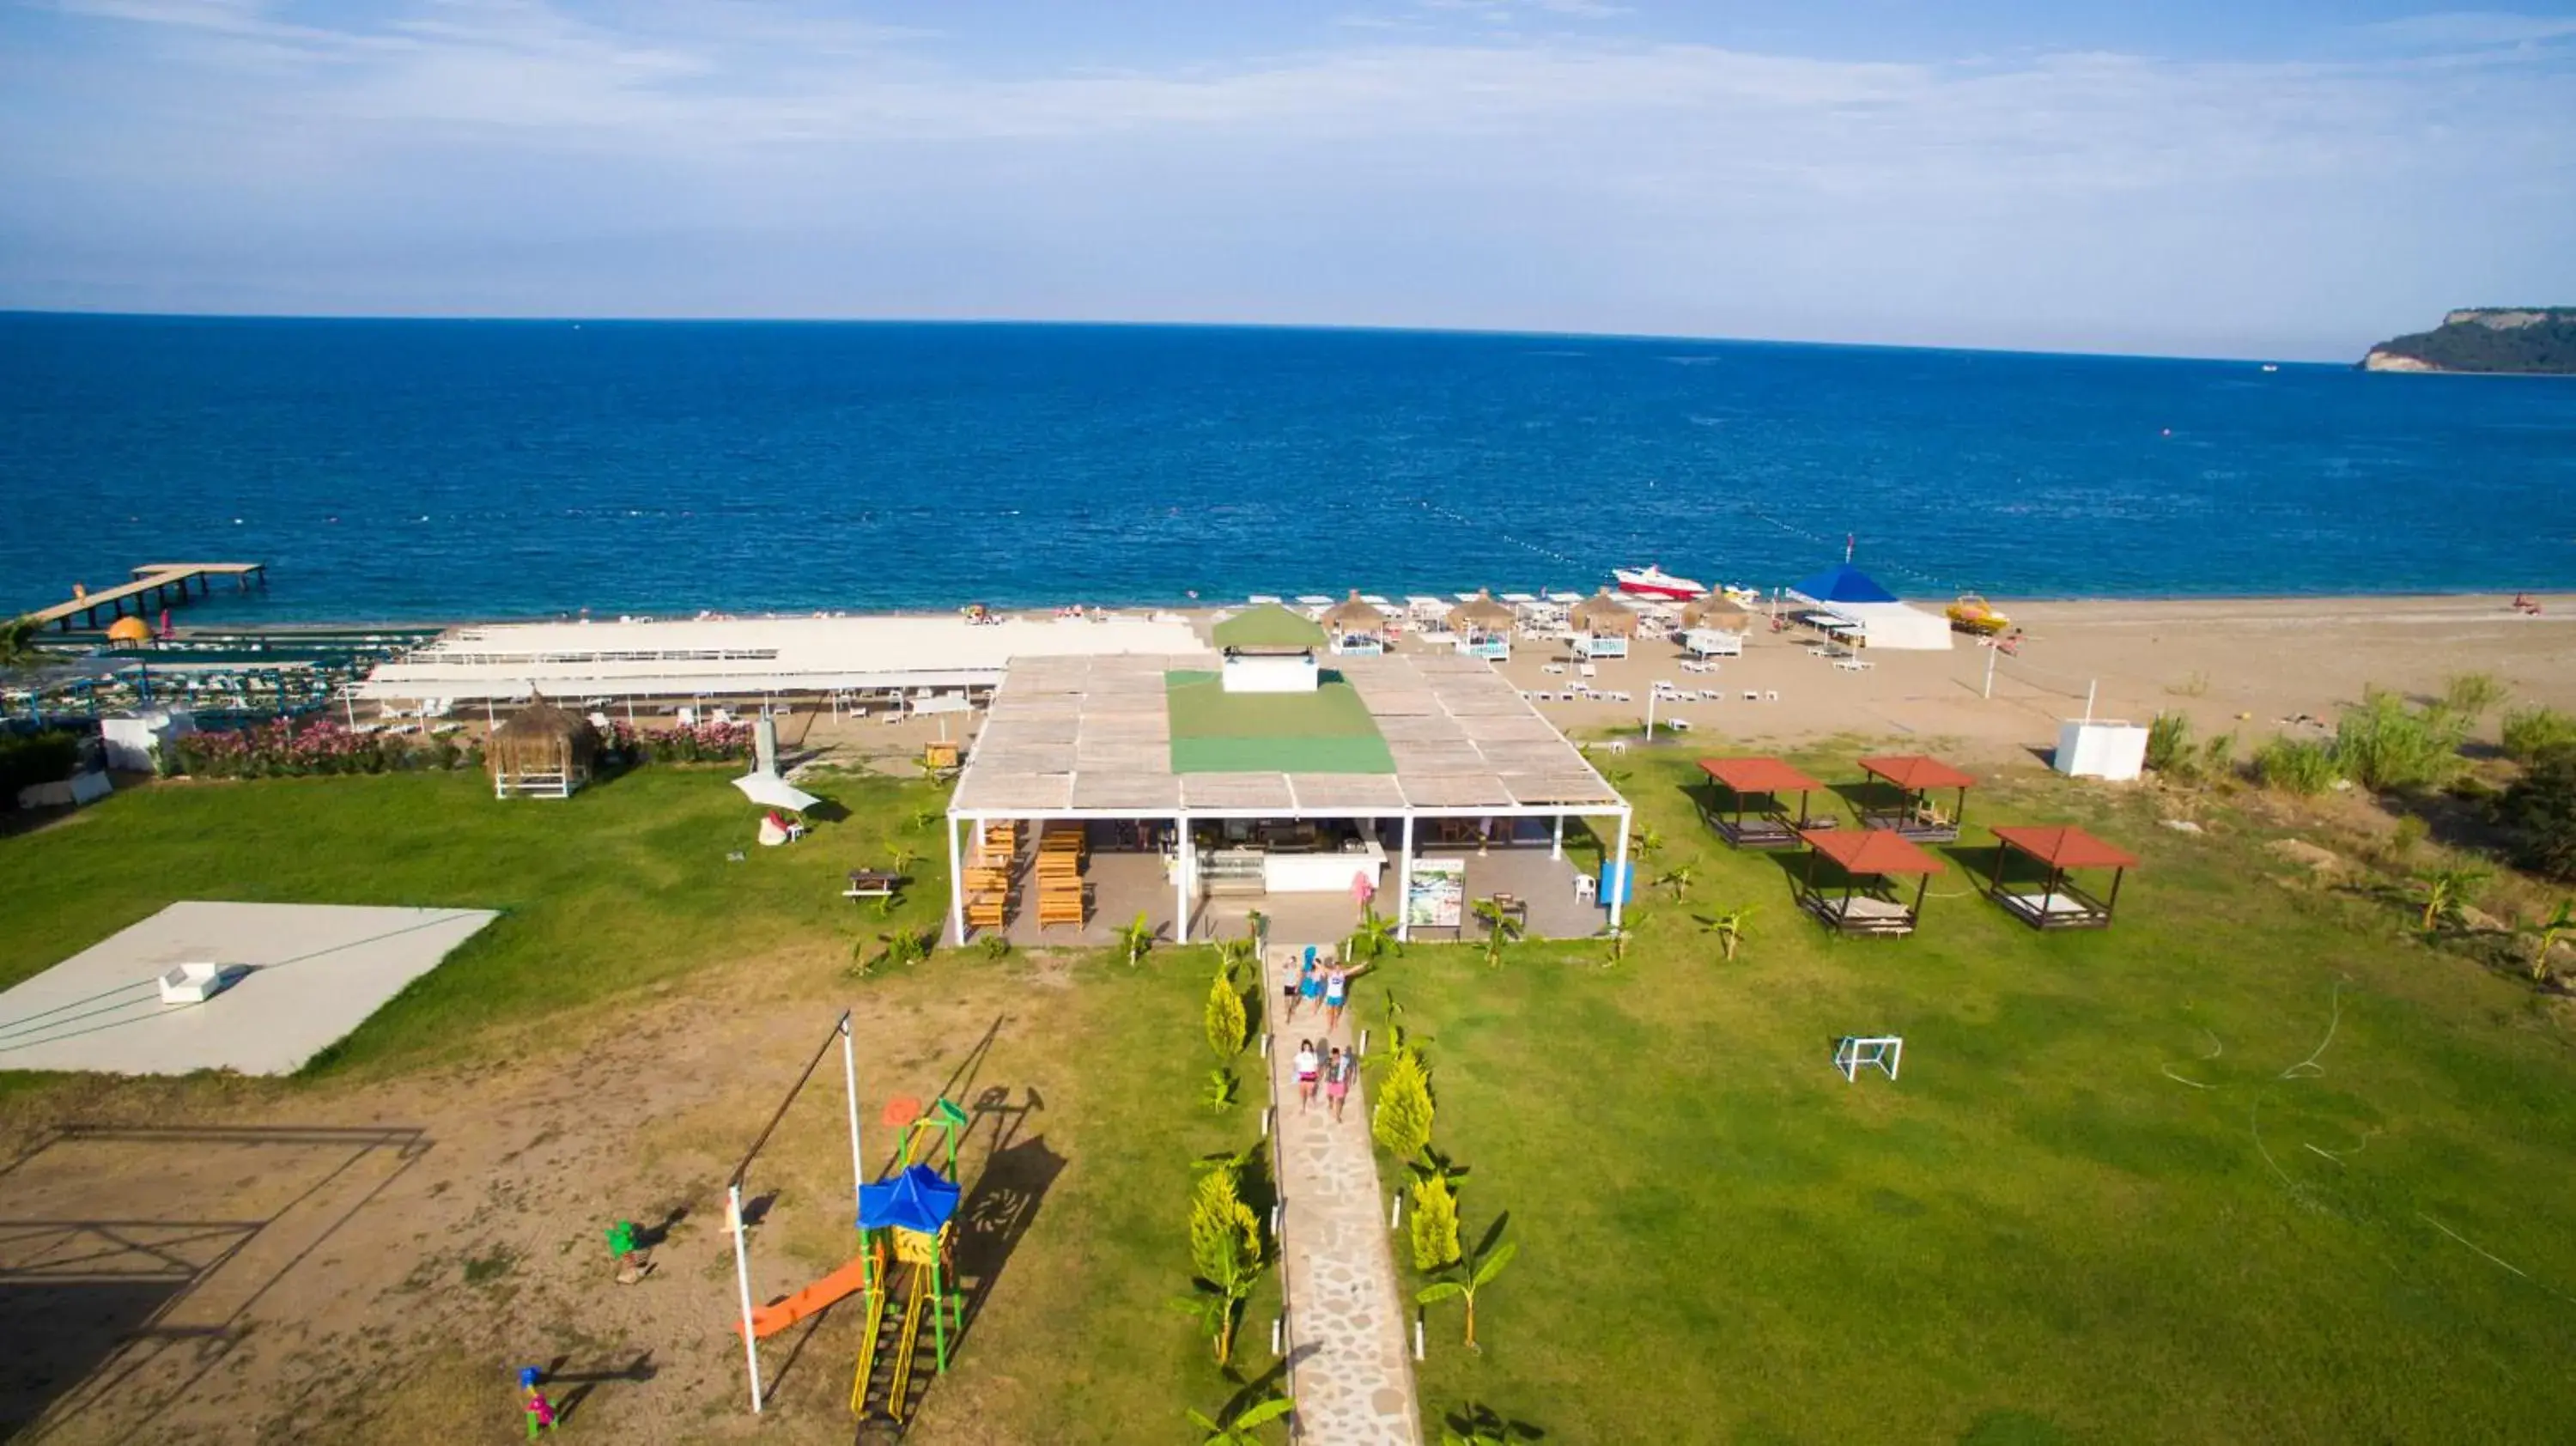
(1183, 884)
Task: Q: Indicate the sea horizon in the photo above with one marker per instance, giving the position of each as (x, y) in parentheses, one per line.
(410, 470)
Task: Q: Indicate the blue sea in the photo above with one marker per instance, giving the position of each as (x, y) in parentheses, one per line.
(411, 470)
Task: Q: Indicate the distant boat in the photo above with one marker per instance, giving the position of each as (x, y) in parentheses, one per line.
(1973, 614)
(1655, 582)
(2271, 366)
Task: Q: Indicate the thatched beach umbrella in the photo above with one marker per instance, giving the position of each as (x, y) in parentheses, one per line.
(543, 750)
(1481, 614)
(1352, 616)
(1601, 614)
(1718, 613)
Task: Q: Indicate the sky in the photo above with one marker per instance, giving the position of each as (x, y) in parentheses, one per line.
(2291, 179)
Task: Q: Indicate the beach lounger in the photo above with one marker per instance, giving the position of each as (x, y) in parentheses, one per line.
(1678, 725)
(1587, 670)
(1752, 695)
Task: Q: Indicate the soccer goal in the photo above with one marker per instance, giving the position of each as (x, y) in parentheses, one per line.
(1858, 1052)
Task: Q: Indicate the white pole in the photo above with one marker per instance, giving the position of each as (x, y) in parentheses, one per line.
(956, 886)
(850, 1076)
(1617, 884)
(742, 1279)
(1404, 885)
(1556, 842)
(1181, 879)
(1991, 650)
(2089, 685)
(349, 700)
(1650, 715)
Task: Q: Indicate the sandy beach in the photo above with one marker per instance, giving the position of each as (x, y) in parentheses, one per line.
(2246, 664)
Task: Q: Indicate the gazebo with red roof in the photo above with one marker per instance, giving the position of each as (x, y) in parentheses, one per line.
(2058, 903)
(1745, 779)
(1876, 854)
(1914, 777)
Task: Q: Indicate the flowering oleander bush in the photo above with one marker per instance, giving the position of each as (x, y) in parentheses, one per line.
(287, 749)
(703, 743)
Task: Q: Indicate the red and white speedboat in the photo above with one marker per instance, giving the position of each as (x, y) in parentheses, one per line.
(1655, 582)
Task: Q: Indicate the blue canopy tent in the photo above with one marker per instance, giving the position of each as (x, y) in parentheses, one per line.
(1868, 613)
(915, 1200)
(1842, 583)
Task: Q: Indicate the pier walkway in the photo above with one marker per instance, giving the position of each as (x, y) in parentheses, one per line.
(154, 584)
(1349, 1367)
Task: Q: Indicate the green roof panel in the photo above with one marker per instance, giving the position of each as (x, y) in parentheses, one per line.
(1268, 626)
(1326, 731)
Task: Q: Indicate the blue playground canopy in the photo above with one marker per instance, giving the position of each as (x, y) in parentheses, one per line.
(917, 1199)
(1843, 583)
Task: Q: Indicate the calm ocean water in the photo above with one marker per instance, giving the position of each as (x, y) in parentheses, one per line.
(421, 470)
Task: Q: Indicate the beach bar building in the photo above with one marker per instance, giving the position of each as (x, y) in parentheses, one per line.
(1749, 806)
(1402, 783)
(1854, 607)
(1867, 859)
(2055, 902)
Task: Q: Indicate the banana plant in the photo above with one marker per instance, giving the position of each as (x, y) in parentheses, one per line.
(2446, 892)
(1136, 939)
(2545, 936)
(1731, 929)
(1473, 1273)
(1375, 937)
(1500, 929)
(1679, 881)
(1242, 1427)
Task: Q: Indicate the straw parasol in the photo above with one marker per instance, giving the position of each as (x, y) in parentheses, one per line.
(1353, 616)
(542, 748)
(1717, 612)
(1602, 613)
(1481, 614)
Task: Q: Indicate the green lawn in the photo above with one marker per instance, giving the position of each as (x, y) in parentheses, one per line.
(618, 887)
(622, 895)
(2250, 1166)
(2042, 1232)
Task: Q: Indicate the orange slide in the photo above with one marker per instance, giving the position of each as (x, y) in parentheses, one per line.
(769, 1320)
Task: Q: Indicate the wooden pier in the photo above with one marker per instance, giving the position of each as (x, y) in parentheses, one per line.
(154, 584)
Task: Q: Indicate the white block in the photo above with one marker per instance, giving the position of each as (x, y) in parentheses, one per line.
(195, 981)
(2105, 748)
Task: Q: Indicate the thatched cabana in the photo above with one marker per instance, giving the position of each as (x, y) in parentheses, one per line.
(1481, 614)
(1717, 613)
(1355, 626)
(542, 752)
(1602, 626)
(1603, 616)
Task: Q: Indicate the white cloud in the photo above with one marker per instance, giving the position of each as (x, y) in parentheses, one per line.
(1598, 164)
(2470, 28)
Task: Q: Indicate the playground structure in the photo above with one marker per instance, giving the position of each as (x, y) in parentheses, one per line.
(903, 1271)
(904, 1223)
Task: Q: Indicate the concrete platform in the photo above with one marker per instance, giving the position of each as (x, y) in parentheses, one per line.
(316, 971)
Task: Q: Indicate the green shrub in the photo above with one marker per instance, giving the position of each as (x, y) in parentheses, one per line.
(2531, 732)
(2169, 749)
(1433, 1224)
(31, 758)
(1402, 1120)
(1223, 1017)
(2470, 695)
(2540, 810)
(2297, 765)
(2384, 745)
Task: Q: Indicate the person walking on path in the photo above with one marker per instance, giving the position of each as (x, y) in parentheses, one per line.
(1337, 1079)
(1308, 1064)
(1310, 984)
(1337, 995)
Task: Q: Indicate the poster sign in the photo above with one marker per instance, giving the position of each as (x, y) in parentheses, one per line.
(1439, 896)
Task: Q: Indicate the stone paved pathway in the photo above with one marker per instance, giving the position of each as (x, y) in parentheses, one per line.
(1347, 1322)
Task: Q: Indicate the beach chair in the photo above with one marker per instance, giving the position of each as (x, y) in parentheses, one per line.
(1753, 695)
(1678, 725)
